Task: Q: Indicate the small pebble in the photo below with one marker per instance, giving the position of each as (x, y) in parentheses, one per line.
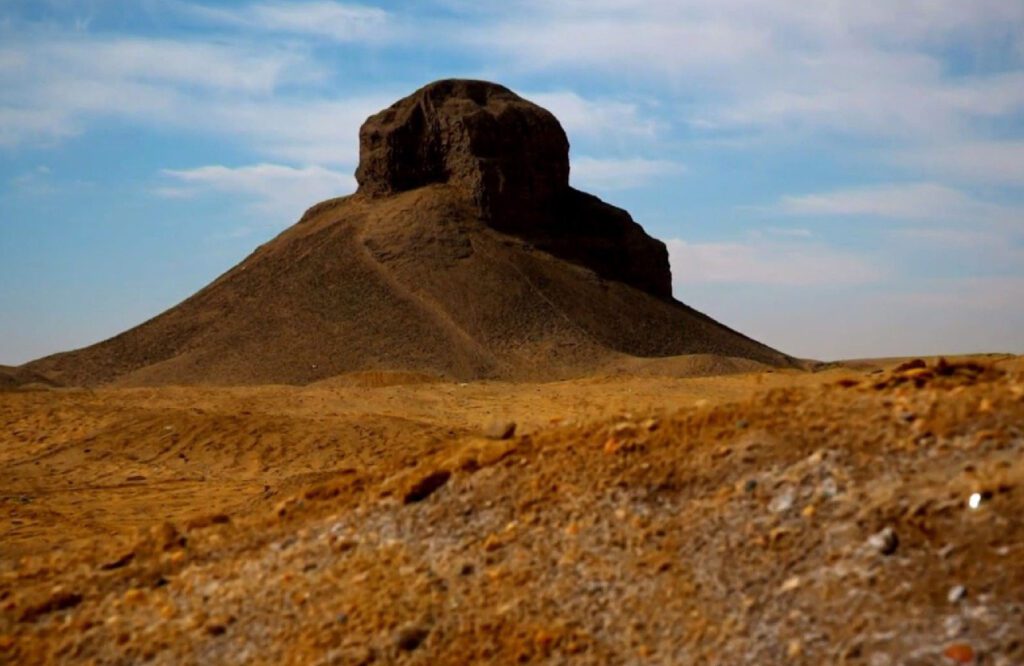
(885, 542)
(783, 501)
(410, 637)
(960, 653)
(956, 593)
(500, 430)
(790, 584)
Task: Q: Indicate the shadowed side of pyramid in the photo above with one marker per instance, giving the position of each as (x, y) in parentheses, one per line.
(463, 254)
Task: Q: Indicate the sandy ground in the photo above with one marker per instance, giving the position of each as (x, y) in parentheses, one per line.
(84, 463)
(634, 518)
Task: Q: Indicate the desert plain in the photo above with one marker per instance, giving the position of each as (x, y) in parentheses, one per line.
(644, 517)
(459, 417)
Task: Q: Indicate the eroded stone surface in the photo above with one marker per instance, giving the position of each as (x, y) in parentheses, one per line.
(510, 157)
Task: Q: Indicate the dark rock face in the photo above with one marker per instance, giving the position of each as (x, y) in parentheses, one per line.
(474, 134)
(511, 158)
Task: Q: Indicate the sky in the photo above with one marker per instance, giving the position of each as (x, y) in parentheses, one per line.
(838, 179)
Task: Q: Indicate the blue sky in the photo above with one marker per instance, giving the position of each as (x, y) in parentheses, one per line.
(838, 179)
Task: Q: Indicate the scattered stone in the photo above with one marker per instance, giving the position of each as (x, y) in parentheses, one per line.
(954, 626)
(122, 561)
(960, 653)
(651, 424)
(623, 428)
(167, 536)
(60, 600)
(914, 364)
(612, 446)
(885, 541)
(426, 486)
(492, 543)
(202, 522)
(410, 637)
(500, 430)
(783, 501)
(791, 584)
(956, 593)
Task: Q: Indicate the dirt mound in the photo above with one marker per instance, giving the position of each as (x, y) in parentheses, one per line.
(693, 365)
(23, 378)
(464, 254)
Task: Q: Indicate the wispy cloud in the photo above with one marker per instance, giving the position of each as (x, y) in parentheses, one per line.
(969, 294)
(63, 81)
(603, 174)
(336, 21)
(972, 160)
(590, 117)
(902, 201)
(759, 262)
(228, 90)
(875, 69)
(34, 183)
(790, 232)
(276, 192)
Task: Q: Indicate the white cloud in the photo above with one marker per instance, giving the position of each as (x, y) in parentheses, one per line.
(932, 317)
(970, 294)
(860, 68)
(906, 201)
(219, 66)
(34, 183)
(62, 81)
(277, 192)
(976, 160)
(341, 22)
(955, 238)
(223, 89)
(640, 43)
(619, 174)
(791, 232)
(768, 263)
(604, 118)
(311, 131)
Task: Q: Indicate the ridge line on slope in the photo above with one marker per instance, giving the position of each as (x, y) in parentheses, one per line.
(436, 312)
(557, 309)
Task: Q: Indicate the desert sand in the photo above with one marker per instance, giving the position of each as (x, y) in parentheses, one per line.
(762, 517)
(458, 417)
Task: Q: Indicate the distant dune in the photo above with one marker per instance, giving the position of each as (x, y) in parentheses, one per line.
(20, 378)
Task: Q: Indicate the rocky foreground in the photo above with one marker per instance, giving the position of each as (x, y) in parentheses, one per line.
(875, 520)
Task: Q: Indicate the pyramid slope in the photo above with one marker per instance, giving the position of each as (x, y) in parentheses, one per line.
(412, 282)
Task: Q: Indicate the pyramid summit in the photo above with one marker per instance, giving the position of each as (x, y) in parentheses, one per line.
(510, 157)
(464, 254)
